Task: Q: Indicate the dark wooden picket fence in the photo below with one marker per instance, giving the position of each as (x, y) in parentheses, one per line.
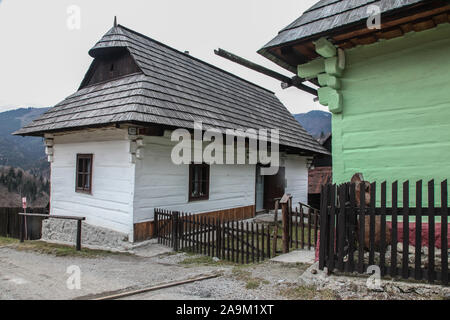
(237, 241)
(344, 246)
(10, 223)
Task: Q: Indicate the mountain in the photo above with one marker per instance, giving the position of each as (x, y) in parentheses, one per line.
(21, 152)
(315, 122)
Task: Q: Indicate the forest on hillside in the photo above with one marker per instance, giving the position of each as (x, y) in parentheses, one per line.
(16, 183)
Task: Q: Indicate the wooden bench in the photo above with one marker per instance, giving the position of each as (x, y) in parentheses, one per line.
(47, 216)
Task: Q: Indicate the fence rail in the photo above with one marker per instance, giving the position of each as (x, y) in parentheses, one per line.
(236, 241)
(355, 233)
(10, 223)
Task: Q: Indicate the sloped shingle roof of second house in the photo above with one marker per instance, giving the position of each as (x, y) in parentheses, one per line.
(174, 89)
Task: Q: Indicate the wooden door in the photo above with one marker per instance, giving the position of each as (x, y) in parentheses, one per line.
(274, 187)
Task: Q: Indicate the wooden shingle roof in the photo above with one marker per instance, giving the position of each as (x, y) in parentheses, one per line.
(327, 15)
(173, 89)
(344, 23)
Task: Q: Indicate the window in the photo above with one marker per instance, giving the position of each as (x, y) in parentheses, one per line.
(84, 173)
(198, 182)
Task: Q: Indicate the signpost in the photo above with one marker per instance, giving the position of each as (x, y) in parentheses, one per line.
(24, 229)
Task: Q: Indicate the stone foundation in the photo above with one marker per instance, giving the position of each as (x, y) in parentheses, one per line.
(65, 231)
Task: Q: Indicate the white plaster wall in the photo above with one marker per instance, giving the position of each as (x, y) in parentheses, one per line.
(162, 184)
(111, 203)
(297, 178)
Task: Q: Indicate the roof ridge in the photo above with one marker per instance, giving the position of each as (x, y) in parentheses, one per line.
(194, 58)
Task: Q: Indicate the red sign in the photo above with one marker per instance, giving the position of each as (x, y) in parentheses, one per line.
(24, 202)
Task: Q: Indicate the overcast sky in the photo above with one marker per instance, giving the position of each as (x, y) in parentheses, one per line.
(43, 61)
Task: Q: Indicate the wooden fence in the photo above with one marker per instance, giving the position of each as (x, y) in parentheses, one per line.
(237, 241)
(345, 246)
(10, 223)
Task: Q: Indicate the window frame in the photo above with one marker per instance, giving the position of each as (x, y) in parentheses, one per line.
(207, 181)
(89, 156)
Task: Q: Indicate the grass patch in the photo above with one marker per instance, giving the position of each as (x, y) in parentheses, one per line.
(252, 283)
(58, 250)
(7, 241)
(308, 293)
(193, 260)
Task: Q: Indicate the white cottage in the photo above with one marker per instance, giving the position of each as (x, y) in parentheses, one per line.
(109, 143)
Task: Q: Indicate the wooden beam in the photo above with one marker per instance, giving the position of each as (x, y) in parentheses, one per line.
(273, 74)
(424, 25)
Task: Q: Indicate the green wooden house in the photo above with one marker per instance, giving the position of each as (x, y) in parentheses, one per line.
(387, 86)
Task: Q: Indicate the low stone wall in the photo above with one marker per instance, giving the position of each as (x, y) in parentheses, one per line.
(65, 231)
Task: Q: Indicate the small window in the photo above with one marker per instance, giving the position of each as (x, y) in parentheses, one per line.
(84, 173)
(198, 182)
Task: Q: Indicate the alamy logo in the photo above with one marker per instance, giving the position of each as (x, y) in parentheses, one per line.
(233, 153)
(374, 20)
(374, 281)
(74, 280)
(74, 17)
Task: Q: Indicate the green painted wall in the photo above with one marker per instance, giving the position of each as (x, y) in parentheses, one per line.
(395, 123)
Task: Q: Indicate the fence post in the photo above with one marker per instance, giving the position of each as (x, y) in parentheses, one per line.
(275, 230)
(22, 227)
(78, 235)
(285, 215)
(156, 224)
(175, 230)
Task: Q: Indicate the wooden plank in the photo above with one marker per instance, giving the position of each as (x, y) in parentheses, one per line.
(323, 227)
(316, 227)
(247, 240)
(418, 253)
(296, 225)
(268, 242)
(197, 234)
(258, 256)
(242, 239)
(444, 233)
(204, 235)
(51, 216)
(394, 229)
(383, 230)
(341, 227)
(253, 242)
(372, 229)
(285, 217)
(431, 228)
(229, 232)
(362, 224)
(405, 260)
(157, 287)
(291, 225)
(275, 230)
(332, 227)
(233, 230)
(302, 227)
(262, 243)
(352, 228)
(224, 236)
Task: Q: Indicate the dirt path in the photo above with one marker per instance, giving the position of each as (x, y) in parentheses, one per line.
(32, 275)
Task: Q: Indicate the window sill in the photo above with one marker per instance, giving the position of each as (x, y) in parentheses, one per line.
(84, 192)
(198, 199)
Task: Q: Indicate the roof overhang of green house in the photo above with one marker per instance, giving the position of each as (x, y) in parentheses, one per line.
(344, 23)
